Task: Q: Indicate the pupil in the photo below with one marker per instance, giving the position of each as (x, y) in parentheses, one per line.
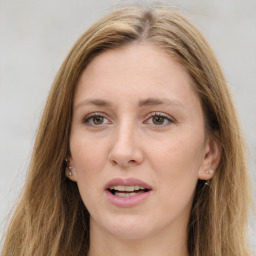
(98, 120)
(158, 120)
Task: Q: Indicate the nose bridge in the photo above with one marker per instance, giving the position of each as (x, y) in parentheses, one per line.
(126, 149)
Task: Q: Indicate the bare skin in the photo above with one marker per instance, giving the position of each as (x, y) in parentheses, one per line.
(137, 116)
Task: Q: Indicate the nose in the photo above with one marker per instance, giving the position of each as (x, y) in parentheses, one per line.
(126, 149)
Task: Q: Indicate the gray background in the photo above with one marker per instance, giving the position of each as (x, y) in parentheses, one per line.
(35, 37)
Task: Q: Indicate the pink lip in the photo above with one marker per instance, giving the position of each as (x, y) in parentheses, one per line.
(127, 201)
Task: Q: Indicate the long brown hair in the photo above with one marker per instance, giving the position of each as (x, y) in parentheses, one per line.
(51, 218)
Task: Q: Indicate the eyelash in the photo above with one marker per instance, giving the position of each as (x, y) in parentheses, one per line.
(90, 117)
(87, 120)
(166, 118)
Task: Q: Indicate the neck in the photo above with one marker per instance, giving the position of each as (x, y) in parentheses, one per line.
(162, 243)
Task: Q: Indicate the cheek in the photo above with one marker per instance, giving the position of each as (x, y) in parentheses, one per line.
(87, 165)
(87, 154)
(179, 155)
(177, 175)
(88, 159)
(177, 163)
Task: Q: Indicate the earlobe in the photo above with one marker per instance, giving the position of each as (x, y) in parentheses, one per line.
(70, 172)
(206, 174)
(211, 158)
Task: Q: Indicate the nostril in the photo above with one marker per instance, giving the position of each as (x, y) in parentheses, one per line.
(114, 162)
(122, 163)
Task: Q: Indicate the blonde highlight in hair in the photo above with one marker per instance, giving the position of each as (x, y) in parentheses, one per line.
(51, 218)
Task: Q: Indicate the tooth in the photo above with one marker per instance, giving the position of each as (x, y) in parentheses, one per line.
(129, 188)
(127, 194)
(121, 188)
(132, 194)
(121, 194)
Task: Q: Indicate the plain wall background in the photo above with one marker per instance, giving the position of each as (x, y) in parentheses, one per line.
(35, 37)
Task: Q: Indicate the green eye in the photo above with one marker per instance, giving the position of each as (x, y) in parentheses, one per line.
(158, 120)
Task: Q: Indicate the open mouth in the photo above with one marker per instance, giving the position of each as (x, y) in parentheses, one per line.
(127, 191)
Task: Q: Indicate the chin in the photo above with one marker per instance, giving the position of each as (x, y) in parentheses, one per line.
(125, 227)
(131, 227)
(129, 233)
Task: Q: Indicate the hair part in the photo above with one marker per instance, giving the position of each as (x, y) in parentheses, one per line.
(51, 218)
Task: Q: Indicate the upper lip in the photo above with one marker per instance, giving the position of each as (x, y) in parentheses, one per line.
(127, 182)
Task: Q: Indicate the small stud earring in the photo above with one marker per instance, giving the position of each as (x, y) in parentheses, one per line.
(66, 160)
(70, 171)
(211, 171)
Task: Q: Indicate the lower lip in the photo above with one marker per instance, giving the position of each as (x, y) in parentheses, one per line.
(127, 201)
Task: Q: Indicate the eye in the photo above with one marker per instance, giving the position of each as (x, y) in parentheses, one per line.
(95, 119)
(159, 119)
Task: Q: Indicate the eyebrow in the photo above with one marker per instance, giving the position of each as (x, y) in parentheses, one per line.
(96, 102)
(142, 103)
(156, 101)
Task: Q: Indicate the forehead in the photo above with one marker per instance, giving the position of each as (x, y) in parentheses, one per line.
(132, 71)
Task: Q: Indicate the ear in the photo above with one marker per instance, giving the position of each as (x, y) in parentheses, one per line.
(70, 169)
(211, 158)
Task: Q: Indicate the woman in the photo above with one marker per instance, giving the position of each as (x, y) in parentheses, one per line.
(139, 150)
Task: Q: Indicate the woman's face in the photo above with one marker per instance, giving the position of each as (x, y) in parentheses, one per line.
(138, 144)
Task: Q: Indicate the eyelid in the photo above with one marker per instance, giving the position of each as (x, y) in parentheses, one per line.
(88, 117)
(168, 117)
